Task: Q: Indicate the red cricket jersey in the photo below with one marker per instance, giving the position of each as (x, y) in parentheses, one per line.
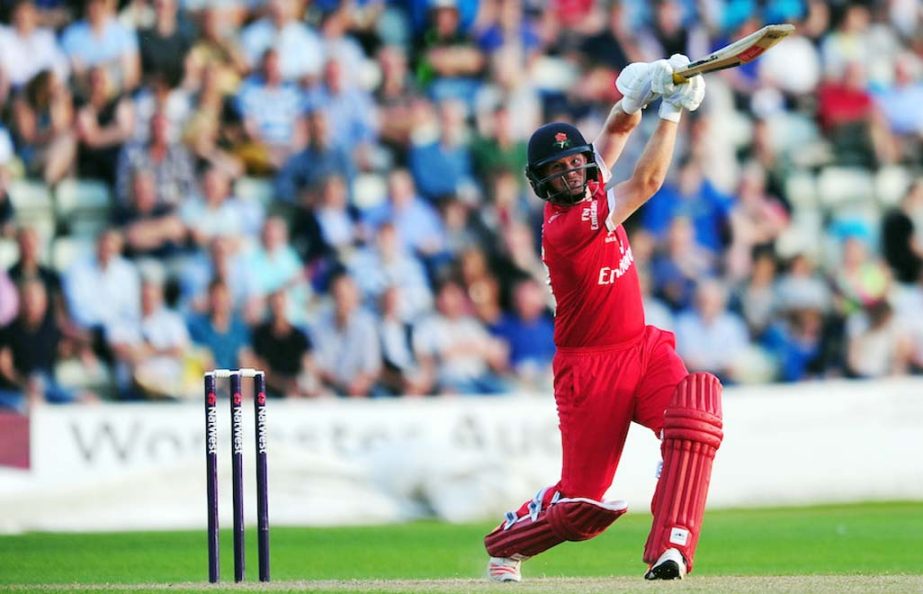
(592, 274)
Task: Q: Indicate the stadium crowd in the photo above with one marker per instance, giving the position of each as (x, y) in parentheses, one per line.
(332, 191)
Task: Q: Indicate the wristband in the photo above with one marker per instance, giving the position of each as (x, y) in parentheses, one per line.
(670, 112)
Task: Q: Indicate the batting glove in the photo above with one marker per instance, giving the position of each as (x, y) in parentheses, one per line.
(676, 97)
(635, 84)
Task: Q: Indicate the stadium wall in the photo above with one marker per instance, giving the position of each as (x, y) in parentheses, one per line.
(141, 466)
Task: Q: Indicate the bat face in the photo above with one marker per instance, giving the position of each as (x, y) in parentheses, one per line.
(740, 52)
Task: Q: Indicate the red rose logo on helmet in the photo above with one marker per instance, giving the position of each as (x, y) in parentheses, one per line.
(561, 140)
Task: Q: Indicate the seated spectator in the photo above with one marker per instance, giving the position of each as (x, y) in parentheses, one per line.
(656, 312)
(43, 117)
(678, 266)
(214, 130)
(320, 159)
(850, 119)
(900, 102)
(104, 123)
(443, 166)
(275, 266)
(151, 228)
(757, 299)
(26, 48)
(860, 278)
(400, 374)
(385, 264)
(218, 212)
(347, 346)
(29, 353)
(529, 333)
(417, 223)
(337, 220)
(350, 111)
(692, 196)
(220, 330)
(456, 353)
(710, 338)
(101, 40)
(878, 346)
(215, 52)
(270, 107)
(397, 100)
(284, 352)
(168, 161)
(756, 221)
(297, 45)
(901, 248)
(157, 96)
(495, 149)
(801, 285)
(155, 349)
(798, 343)
(103, 291)
(450, 62)
(164, 46)
(220, 262)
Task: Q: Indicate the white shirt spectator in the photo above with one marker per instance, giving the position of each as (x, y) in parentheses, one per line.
(438, 335)
(710, 346)
(349, 351)
(300, 50)
(103, 297)
(21, 58)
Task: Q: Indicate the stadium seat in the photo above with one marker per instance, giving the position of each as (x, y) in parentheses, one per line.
(67, 250)
(82, 206)
(73, 374)
(30, 198)
(256, 189)
(801, 190)
(8, 253)
(841, 185)
(891, 183)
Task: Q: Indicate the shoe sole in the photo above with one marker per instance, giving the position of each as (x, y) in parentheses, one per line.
(668, 570)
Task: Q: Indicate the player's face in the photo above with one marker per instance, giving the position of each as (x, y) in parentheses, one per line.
(568, 174)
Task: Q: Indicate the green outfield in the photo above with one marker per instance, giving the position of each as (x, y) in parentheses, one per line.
(849, 548)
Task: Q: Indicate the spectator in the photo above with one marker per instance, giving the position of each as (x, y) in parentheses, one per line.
(859, 279)
(878, 347)
(221, 262)
(284, 352)
(164, 46)
(103, 291)
(151, 228)
(710, 338)
(692, 196)
(217, 212)
(216, 53)
(220, 329)
(901, 247)
(899, 102)
(756, 220)
(529, 333)
(680, 264)
(169, 162)
(27, 49)
(348, 351)
(43, 116)
(214, 131)
(450, 63)
(320, 159)
(387, 264)
(416, 222)
(757, 298)
(29, 266)
(275, 266)
(400, 373)
(156, 348)
(496, 149)
(456, 353)
(270, 107)
(397, 100)
(297, 45)
(443, 167)
(800, 344)
(29, 352)
(101, 40)
(104, 123)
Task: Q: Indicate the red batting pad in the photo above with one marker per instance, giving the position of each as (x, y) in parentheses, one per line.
(568, 519)
(691, 436)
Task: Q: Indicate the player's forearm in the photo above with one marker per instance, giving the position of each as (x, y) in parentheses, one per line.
(649, 173)
(618, 127)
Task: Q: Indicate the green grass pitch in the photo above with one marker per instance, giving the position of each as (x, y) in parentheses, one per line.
(881, 542)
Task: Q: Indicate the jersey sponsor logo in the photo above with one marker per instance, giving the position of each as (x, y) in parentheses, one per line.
(608, 275)
(591, 213)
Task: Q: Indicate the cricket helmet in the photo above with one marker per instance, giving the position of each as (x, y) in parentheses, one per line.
(548, 144)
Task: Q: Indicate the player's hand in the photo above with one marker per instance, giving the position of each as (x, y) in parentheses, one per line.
(677, 97)
(634, 83)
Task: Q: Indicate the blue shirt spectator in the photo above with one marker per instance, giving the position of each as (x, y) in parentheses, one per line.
(319, 160)
(349, 109)
(220, 330)
(444, 167)
(269, 105)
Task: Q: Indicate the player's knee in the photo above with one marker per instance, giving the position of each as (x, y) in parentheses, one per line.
(582, 519)
(694, 413)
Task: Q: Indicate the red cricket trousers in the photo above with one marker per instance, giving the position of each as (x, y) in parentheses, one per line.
(599, 392)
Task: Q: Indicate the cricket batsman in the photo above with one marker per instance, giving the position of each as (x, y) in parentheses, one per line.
(610, 368)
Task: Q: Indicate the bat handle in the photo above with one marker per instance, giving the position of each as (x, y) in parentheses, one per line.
(679, 79)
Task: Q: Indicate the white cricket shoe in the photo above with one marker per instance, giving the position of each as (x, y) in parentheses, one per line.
(670, 566)
(504, 569)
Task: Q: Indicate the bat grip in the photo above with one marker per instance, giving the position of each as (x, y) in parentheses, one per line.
(679, 79)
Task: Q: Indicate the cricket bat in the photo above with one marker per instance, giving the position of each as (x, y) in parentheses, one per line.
(740, 52)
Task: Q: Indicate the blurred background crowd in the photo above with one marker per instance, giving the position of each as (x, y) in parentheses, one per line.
(332, 191)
